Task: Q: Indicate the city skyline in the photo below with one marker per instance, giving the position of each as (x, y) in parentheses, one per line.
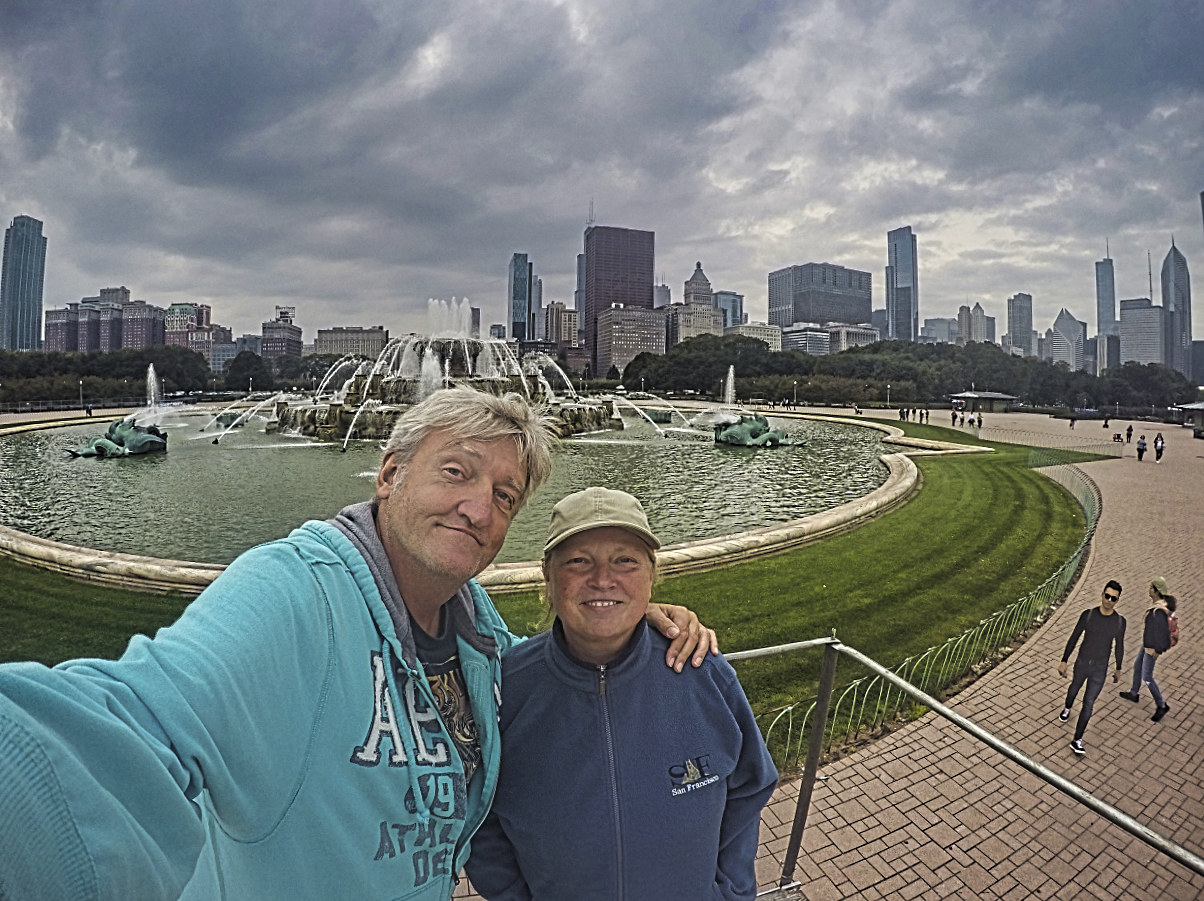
(355, 165)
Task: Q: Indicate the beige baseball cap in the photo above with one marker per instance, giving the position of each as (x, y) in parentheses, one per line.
(1159, 585)
(597, 508)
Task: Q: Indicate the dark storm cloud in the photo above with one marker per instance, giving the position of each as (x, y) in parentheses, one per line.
(353, 155)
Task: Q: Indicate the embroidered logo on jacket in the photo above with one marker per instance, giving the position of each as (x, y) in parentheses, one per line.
(693, 774)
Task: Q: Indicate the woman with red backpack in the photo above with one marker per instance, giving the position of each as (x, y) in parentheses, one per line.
(1161, 634)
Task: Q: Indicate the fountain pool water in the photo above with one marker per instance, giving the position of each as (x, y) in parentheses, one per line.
(208, 504)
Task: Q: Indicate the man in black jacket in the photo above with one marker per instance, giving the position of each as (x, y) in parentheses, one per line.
(1100, 628)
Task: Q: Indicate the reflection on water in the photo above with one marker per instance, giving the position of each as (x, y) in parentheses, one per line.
(206, 503)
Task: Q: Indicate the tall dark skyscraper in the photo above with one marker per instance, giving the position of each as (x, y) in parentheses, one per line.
(518, 297)
(902, 285)
(820, 293)
(1176, 301)
(1106, 322)
(21, 280)
(619, 265)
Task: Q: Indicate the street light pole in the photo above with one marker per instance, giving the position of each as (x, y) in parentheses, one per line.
(796, 393)
(81, 394)
(888, 395)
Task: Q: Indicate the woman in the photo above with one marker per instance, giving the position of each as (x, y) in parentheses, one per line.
(1140, 448)
(1155, 641)
(615, 781)
(1159, 445)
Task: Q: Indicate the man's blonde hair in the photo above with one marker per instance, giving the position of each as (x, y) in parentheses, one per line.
(470, 415)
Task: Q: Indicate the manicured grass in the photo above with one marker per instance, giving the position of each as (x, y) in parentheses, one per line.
(49, 618)
(983, 531)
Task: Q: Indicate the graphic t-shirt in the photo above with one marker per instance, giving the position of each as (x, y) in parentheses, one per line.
(440, 659)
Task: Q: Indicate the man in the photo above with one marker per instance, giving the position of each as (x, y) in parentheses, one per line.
(1101, 629)
(321, 722)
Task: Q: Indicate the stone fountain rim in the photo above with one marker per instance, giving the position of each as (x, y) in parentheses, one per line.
(158, 575)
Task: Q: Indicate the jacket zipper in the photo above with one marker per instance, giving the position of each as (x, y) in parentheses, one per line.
(614, 782)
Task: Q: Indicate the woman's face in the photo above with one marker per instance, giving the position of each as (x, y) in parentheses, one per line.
(599, 584)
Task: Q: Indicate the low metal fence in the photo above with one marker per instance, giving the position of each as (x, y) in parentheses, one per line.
(832, 649)
(864, 707)
(1102, 445)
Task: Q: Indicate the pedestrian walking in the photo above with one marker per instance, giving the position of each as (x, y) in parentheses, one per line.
(1072, 422)
(1155, 641)
(1103, 632)
(980, 419)
(953, 415)
(1129, 434)
(1159, 447)
(1140, 448)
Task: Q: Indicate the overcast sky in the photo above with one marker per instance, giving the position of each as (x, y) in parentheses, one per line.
(354, 158)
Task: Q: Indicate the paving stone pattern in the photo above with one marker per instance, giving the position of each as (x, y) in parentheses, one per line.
(930, 813)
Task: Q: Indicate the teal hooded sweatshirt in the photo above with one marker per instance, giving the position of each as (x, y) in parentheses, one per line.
(278, 741)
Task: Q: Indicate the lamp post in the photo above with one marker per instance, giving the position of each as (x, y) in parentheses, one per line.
(888, 396)
(81, 394)
(796, 393)
(250, 384)
(641, 384)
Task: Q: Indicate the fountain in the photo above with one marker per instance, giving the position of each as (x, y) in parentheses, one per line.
(124, 437)
(366, 403)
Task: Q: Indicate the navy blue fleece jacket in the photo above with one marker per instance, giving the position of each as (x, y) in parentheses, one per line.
(627, 781)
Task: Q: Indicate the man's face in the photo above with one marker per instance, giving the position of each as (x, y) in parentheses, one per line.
(446, 515)
(1108, 601)
(599, 584)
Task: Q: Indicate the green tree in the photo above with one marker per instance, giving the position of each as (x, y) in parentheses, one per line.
(247, 371)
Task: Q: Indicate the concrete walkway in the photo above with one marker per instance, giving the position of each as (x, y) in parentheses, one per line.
(929, 813)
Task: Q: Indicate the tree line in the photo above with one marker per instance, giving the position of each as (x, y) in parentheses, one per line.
(915, 373)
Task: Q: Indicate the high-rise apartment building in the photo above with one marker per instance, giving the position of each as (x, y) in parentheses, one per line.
(662, 296)
(1106, 322)
(497, 331)
(1142, 331)
(474, 322)
(902, 285)
(623, 333)
(698, 288)
(689, 320)
(963, 324)
(942, 330)
(842, 337)
(819, 292)
(518, 297)
(809, 337)
(762, 331)
(619, 265)
(1020, 324)
(982, 326)
(1067, 341)
(1176, 301)
(560, 324)
(731, 305)
(282, 336)
(352, 339)
(21, 281)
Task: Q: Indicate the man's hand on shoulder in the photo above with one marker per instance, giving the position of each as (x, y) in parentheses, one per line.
(686, 634)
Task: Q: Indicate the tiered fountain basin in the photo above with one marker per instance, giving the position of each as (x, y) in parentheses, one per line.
(173, 521)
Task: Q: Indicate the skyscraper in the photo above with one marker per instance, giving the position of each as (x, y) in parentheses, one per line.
(1176, 301)
(1142, 331)
(1106, 322)
(619, 265)
(731, 305)
(1020, 324)
(1068, 340)
(518, 297)
(902, 285)
(820, 293)
(21, 281)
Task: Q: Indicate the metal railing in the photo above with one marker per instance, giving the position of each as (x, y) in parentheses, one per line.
(867, 705)
(1102, 445)
(832, 648)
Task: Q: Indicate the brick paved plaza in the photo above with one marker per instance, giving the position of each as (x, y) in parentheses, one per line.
(929, 813)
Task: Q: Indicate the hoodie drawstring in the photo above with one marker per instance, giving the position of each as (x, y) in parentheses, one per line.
(406, 732)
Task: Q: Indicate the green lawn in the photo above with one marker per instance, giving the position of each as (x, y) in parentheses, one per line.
(984, 530)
